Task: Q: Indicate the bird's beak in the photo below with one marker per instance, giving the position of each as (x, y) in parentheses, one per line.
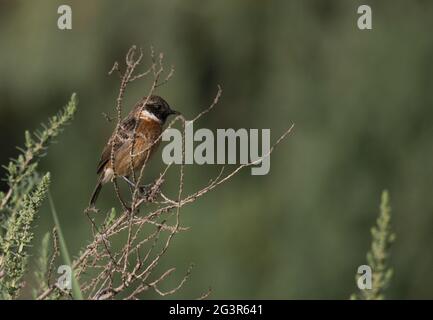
(174, 112)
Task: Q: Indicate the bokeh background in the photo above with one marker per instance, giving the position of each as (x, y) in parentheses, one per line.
(361, 101)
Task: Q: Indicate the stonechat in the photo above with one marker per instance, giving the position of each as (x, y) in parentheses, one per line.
(147, 119)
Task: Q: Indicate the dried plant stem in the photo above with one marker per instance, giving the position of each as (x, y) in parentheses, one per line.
(147, 236)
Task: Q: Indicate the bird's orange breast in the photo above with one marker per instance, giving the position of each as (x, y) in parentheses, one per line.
(147, 139)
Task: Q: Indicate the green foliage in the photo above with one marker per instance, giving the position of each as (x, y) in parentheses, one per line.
(18, 238)
(378, 255)
(21, 174)
(21, 202)
(76, 292)
(41, 269)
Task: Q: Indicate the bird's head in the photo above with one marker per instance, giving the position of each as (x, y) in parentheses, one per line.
(156, 108)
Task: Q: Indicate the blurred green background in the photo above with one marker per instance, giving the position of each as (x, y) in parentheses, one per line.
(361, 101)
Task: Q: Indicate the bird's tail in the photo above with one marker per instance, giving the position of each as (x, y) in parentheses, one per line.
(96, 193)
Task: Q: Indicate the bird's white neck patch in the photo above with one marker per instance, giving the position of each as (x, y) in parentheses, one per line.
(146, 115)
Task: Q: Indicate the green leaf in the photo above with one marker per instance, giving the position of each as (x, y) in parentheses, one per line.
(76, 291)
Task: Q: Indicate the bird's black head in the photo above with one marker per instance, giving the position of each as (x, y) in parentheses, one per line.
(158, 108)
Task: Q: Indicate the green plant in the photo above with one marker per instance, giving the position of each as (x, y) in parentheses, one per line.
(76, 292)
(20, 204)
(42, 266)
(378, 255)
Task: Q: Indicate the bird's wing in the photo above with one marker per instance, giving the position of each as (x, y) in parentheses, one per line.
(105, 156)
(117, 141)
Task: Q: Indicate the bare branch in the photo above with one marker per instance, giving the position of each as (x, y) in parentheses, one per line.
(106, 272)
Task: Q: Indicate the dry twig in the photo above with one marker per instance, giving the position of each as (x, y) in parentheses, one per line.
(128, 270)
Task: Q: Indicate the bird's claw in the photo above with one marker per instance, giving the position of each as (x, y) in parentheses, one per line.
(149, 191)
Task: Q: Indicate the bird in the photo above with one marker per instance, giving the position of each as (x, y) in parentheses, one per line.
(147, 119)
